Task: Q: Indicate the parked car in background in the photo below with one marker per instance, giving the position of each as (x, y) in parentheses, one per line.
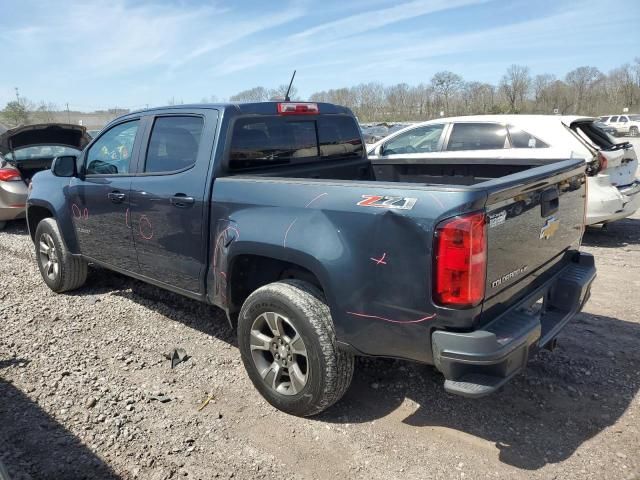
(608, 129)
(26, 150)
(623, 124)
(614, 190)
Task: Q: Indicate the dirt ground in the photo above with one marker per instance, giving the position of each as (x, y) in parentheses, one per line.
(84, 389)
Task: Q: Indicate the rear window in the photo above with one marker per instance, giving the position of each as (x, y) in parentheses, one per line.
(41, 152)
(522, 139)
(272, 141)
(477, 136)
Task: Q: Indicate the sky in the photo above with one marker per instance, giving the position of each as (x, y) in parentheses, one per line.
(123, 53)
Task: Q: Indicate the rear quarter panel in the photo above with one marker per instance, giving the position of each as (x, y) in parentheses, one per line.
(374, 264)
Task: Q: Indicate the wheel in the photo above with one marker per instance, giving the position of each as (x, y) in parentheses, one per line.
(633, 131)
(288, 347)
(60, 270)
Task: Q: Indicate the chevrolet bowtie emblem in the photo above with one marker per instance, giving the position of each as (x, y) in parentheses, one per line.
(550, 228)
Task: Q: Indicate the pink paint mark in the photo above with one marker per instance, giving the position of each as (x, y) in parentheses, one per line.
(224, 275)
(76, 211)
(437, 200)
(316, 198)
(85, 214)
(380, 261)
(220, 237)
(284, 241)
(363, 315)
(147, 233)
(126, 217)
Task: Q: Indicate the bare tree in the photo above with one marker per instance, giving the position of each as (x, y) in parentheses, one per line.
(255, 94)
(541, 86)
(515, 85)
(582, 80)
(446, 84)
(280, 92)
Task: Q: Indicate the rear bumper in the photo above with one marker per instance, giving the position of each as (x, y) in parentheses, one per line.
(478, 363)
(609, 203)
(13, 196)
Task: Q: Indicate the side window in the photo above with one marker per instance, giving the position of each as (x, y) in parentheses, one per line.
(477, 136)
(173, 144)
(613, 119)
(623, 119)
(522, 139)
(111, 154)
(418, 140)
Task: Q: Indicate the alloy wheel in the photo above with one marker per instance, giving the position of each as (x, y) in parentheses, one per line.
(279, 353)
(48, 256)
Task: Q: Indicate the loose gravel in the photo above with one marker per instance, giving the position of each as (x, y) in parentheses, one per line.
(87, 392)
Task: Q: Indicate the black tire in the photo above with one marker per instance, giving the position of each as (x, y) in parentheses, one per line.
(329, 370)
(633, 131)
(71, 271)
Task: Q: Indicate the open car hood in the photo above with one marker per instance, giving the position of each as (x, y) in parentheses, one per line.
(62, 134)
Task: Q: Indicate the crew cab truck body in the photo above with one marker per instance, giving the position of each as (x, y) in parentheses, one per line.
(274, 213)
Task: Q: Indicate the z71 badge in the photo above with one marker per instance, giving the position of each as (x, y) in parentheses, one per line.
(383, 201)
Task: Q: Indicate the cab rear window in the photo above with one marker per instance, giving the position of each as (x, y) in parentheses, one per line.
(259, 142)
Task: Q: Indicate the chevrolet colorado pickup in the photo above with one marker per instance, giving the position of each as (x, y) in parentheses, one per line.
(273, 212)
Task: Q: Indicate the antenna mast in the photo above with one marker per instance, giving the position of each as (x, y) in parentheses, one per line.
(286, 97)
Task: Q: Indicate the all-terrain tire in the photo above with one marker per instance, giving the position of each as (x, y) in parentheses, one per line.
(330, 369)
(72, 270)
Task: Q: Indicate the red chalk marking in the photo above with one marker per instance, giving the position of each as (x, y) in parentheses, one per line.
(380, 261)
(148, 236)
(126, 217)
(316, 198)
(363, 315)
(85, 214)
(224, 275)
(75, 208)
(284, 241)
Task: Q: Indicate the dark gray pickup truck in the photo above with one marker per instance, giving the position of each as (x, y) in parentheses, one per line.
(273, 212)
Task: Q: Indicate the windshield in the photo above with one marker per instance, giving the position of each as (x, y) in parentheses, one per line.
(43, 151)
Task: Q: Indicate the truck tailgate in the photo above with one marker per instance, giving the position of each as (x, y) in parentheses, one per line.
(532, 220)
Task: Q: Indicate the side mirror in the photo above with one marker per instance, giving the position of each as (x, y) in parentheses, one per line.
(64, 166)
(379, 150)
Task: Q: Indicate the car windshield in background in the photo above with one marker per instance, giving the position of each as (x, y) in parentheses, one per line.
(272, 141)
(40, 152)
(634, 118)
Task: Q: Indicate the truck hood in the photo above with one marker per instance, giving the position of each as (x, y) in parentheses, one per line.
(66, 135)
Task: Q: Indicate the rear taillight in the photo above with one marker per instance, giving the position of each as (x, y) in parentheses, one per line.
(602, 162)
(9, 175)
(460, 261)
(298, 109)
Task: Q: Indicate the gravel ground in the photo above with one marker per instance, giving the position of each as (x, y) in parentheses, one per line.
(85, 392)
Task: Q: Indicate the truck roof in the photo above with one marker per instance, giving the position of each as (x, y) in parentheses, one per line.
(257, 108)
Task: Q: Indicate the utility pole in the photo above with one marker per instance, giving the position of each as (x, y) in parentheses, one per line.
(68, 114)
(17, 94)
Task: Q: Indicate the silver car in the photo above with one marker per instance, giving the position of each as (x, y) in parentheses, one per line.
(24, 151)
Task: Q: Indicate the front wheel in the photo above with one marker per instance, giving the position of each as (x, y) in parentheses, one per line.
(289, 349)
(60, 270)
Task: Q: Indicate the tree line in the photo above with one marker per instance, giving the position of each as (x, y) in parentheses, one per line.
(584, 91)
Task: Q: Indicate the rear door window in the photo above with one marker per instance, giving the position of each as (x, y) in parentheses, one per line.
(477, 136)
(623, 119)
(174, 143)
(522, 139)
(613, 119)
(424, 139)
(274, 141)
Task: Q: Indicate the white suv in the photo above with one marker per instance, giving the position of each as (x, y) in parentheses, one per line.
(614, 190)
(624, 124)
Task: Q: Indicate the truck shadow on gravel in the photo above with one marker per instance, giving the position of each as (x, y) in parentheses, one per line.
(33, 445)
(564, 398)
(621, 233)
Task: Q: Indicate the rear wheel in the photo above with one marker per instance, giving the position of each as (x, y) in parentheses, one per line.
(60, 270)
(633, 131)
(289, 349)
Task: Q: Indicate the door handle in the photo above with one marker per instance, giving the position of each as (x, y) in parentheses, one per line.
(180, 200)
(116, 197)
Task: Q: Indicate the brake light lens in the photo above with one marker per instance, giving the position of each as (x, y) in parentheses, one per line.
(298, 109)
(602, 162)
(460, 261)
(9, 175)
